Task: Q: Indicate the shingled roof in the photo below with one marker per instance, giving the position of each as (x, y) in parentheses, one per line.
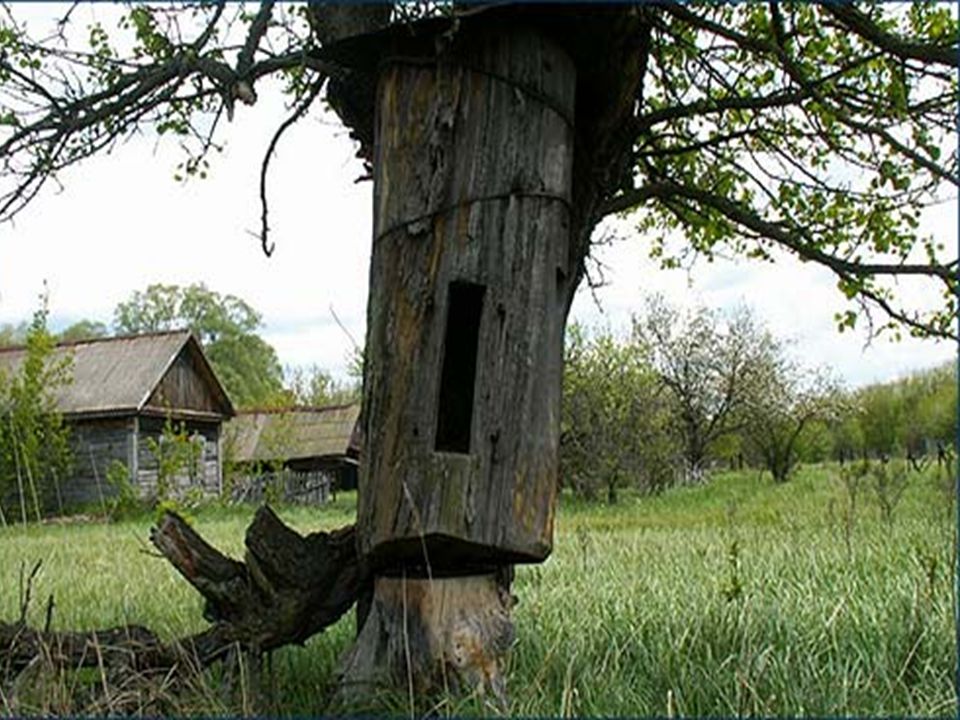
(117, 376)
(294, 434)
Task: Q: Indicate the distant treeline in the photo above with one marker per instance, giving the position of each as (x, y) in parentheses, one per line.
(681, 394)
(915, 416)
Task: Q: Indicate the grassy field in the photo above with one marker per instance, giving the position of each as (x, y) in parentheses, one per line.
(738, 598)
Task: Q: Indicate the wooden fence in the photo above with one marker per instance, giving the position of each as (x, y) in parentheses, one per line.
(304, 488)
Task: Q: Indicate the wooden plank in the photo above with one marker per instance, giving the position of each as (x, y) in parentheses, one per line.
(184, 387)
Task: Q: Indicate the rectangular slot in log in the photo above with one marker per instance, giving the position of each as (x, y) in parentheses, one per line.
(455, 410)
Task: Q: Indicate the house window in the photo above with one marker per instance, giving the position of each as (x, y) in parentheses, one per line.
(459, 370)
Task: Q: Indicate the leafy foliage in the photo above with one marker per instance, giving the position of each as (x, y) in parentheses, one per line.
(13, 335)
(614, 429)
(176, 453)
(823, 131)
(124, 500)
(34, 443)
(685, 393)
(313, 386)
(912, 415)
(83, 330)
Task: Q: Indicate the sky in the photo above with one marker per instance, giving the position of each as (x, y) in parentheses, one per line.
(121, 222)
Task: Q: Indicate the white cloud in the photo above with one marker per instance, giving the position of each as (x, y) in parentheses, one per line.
(121, 223)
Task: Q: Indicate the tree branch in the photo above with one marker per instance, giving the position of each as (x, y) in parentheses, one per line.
(297, 114)
(243, 88)
(108, 114)
(204, 37)
(794, 239)
(899, 147)
(857, 21)
(712, 106)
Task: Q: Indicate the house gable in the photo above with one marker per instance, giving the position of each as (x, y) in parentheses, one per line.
(188, 388)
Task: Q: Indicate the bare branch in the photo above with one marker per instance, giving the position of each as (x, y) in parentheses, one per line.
(208, 31)
(297, 114)
(245, 59)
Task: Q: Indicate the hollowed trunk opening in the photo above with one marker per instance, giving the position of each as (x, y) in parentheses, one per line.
(458, 376)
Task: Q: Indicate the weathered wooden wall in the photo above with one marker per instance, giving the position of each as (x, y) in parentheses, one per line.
(207, 474)
(472, 187)
(96, 444)
(184, 387)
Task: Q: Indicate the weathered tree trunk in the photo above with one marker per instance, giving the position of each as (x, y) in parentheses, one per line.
(424, 635)
(482, 221)
(468, 302)
(469, 279)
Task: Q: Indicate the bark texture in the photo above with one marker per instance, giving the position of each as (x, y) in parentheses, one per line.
(432, 635)
(470, 280)
(288, 588)
(472, 188)
(609, 44)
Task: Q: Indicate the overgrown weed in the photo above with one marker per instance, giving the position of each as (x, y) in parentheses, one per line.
(627, 617)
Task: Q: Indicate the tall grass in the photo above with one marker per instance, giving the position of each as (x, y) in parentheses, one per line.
(738, 598)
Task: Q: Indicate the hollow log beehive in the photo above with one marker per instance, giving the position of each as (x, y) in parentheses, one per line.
(470, 278)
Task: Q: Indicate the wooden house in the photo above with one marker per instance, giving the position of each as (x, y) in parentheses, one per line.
(308, 443)
(124, 391)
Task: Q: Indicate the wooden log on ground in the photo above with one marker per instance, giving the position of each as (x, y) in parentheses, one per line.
(130, 646)
(289, 588)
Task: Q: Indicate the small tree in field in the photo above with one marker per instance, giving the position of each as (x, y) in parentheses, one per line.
(614, 426)
(889, 479)
(707, 363)
(175, 452)
(782, 404)
(34, 443)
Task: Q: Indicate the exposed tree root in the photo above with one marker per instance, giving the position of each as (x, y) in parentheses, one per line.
(288, 588)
